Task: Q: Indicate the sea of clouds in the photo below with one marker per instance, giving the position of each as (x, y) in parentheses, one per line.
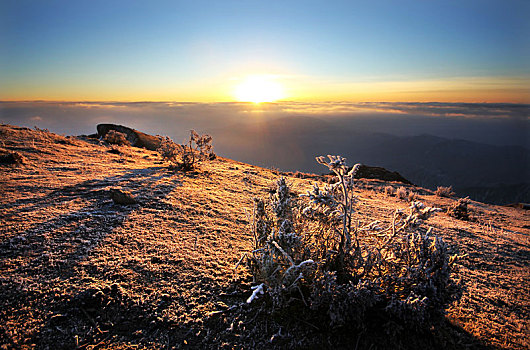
(285, 135)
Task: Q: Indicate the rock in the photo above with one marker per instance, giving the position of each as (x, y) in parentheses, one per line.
(121, 196)
(364, 172)
(11, 158)
(374, 172)
(524, 206)
(135, 137)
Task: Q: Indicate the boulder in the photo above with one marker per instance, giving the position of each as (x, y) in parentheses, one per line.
(374, 172)
(135, 137)
(121, 197)
(7, 157)
(364, 172)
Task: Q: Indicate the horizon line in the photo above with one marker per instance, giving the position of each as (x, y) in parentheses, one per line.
(260, 103)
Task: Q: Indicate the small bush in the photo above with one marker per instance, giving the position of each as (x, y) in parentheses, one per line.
(459, 209)
(173, 153)
(389, 191)
(308, 252)
(203, 144)
(442, 191)
(402, 193)
(114, 137)
(186, 157)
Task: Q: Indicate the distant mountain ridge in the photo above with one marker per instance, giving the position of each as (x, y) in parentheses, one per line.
(481, 171)
(291, 144)
(503, 194)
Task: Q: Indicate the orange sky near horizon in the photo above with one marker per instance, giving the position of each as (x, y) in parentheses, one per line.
(482, 89)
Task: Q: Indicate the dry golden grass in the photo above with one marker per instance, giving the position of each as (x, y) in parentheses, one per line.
(172, 255)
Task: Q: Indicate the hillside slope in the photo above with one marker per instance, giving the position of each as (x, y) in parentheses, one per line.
(78, 270)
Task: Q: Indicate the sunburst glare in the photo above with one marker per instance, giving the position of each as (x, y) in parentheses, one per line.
(258, 89)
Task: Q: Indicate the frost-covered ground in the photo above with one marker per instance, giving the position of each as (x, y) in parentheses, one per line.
(77, 270)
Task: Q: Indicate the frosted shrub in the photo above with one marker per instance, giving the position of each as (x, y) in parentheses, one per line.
(114, 137)
(278, 260)
(186, 157)
(170, 150)
(442, 191)
(336, 202)
(203, 144)
(308, 251)
(402, 193)
(389, 191)
(459, 209)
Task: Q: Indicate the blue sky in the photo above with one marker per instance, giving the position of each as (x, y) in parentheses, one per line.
(197, 50)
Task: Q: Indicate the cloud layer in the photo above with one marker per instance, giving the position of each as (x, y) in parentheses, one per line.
(500, 124)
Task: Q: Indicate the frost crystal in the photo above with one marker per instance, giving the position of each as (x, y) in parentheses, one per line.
(256, 290)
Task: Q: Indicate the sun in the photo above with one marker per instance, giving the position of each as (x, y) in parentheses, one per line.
(259, 88)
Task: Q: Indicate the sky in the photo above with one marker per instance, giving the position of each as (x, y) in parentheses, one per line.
(205, 51)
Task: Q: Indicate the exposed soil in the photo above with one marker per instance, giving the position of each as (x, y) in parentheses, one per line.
(78, 270)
